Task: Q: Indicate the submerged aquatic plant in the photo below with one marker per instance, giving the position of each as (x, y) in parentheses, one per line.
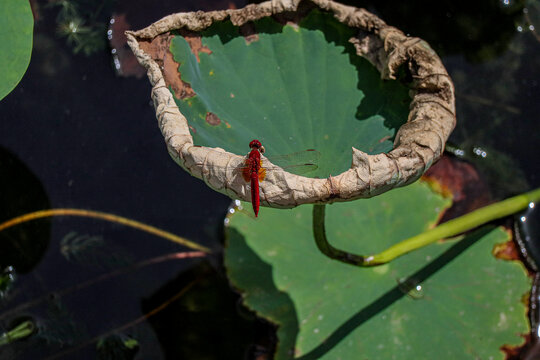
(82, 24)
(7, 278)
(117, 346)
(91, 250)
(20, 331)
(59, 325)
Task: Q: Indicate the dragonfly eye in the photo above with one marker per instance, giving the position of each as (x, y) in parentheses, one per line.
(255, 144)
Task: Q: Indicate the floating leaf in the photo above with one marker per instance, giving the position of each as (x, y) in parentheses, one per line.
(456, 295)
(293, 87)
(16, 26)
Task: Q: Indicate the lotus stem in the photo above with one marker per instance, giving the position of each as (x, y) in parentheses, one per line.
(103, 216)
(448, 229)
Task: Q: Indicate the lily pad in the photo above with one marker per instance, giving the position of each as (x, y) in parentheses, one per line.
(450, 300)
(16, 27)
(293, 86)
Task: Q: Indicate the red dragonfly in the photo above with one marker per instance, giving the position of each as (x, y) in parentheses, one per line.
(253, 170)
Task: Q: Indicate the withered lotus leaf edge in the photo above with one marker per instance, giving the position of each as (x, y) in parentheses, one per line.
(418, 143)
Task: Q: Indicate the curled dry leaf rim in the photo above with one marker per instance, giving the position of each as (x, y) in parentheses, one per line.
(418, 143)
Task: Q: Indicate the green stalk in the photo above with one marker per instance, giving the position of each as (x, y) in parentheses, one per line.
(324, 246)
(449, 229)
(23, 330)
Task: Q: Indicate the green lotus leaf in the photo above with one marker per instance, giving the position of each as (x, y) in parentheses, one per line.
(449, 300)
(16, 27)
(293, 87)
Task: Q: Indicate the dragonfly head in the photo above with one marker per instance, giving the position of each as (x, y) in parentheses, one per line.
(256, 144)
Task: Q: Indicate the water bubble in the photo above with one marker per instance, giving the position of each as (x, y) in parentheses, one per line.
(480, 152)
(527, 234)
(411, 287)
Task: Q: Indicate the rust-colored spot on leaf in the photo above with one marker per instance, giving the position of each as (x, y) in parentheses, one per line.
(195, 43)
(383, 139)
(506, 251)
(192, 129)
(212, 119)
(159, 49)
(519, 352)
(438, 187)
(458, 179)
(525, 300)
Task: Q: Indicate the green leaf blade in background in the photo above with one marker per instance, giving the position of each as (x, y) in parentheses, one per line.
(469, 304)
(16, 27)
(293, 87)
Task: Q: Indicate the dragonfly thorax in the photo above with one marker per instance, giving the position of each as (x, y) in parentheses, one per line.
(253, 160)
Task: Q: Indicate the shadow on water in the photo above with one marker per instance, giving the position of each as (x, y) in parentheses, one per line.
(206, 312)
(21, 192)
(261, 288)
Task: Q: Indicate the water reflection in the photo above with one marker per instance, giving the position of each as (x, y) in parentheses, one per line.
(526, 233)
(23, 246)
(527, 236)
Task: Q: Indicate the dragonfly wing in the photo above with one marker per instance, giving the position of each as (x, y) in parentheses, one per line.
(300, 169)
(301, 162)
(246, 172)
(262, 173)
(309, 156)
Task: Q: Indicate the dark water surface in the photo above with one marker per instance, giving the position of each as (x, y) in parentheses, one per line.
(73, 134)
